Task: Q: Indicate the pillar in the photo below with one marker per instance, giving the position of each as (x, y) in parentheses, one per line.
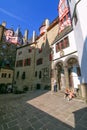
(66, 76)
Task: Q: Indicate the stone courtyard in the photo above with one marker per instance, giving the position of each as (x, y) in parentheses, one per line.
(41, 110)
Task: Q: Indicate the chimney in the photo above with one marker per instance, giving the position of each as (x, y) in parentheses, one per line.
(26, 34)
(47, 23)
(34, 35)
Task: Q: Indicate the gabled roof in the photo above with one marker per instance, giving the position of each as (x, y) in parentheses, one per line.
(63, 33)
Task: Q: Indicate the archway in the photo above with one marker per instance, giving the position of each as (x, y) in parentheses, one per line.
(60, 75)
(73, 72)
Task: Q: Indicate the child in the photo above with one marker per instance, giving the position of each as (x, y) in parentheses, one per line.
(66, 94)
(71, 95)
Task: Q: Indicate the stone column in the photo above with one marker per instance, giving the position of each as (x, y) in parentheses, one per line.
(52, 79)
(83, 88)
(66, 76)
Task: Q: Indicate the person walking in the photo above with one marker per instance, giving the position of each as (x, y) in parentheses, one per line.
(55, 86)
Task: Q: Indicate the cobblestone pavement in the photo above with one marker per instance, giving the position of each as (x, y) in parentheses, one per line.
(41, 110)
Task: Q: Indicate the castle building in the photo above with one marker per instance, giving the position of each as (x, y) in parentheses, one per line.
(43, 58)
(25, 67)
(65, 64)
(79, 21)
(58, 53)
(7, 56)
(78, 9)
(9, 42)
(34, 60)
(6, 76)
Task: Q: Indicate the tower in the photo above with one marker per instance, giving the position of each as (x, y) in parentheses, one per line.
(26, 35)
(64, 15)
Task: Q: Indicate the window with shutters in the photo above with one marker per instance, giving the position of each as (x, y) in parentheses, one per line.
(62, 44)
(19, 63)
(27, 62)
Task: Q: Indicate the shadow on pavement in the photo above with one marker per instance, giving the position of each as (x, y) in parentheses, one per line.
(21, 112)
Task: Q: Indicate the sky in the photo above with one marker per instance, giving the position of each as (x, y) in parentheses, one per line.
(27, 14)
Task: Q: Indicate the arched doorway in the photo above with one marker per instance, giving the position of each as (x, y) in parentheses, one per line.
(73, 72)
(60, 75)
